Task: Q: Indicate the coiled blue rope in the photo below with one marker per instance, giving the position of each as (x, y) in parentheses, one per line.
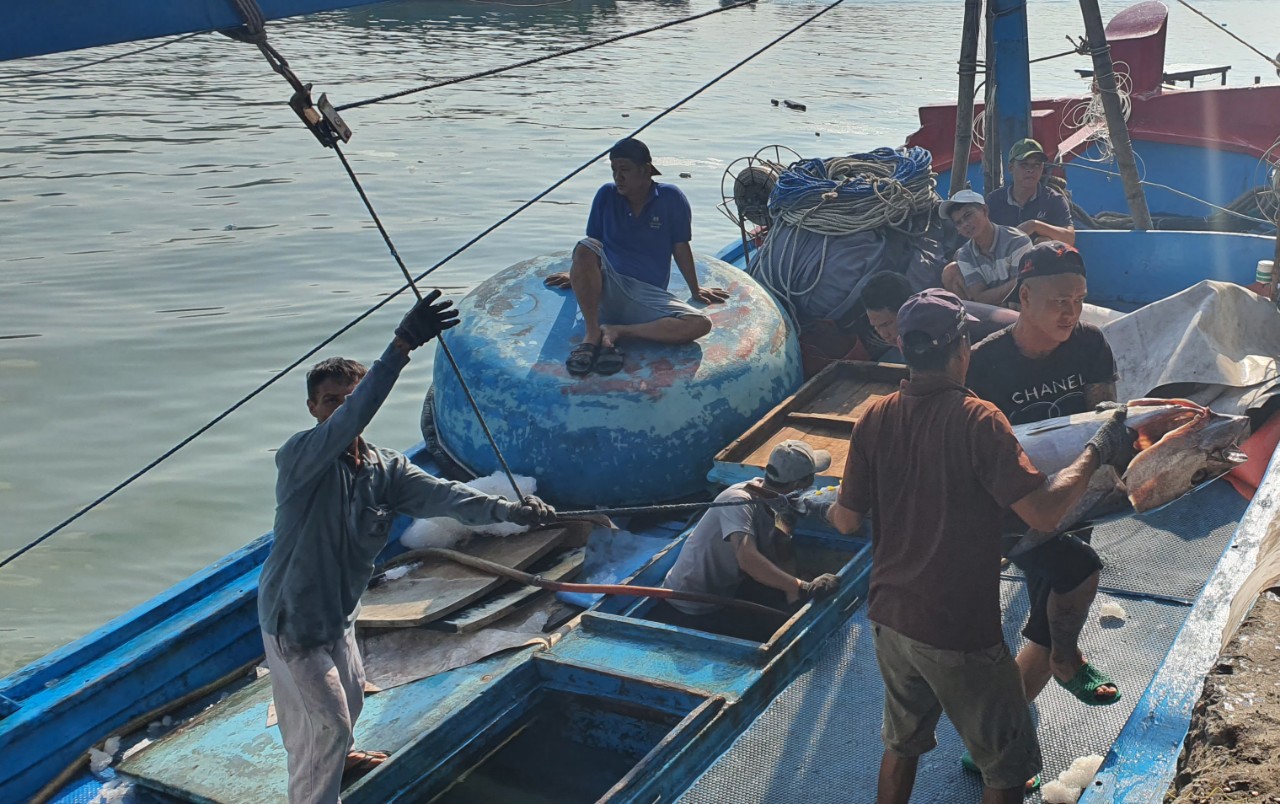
(857, 192)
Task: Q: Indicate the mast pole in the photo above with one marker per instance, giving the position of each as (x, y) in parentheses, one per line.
(1118, 130)
(1007, 24)
(964, 101)
(992, 169)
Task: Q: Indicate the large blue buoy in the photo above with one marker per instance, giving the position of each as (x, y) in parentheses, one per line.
(645, 434)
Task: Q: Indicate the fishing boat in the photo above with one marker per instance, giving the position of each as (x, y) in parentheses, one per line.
(614, 706)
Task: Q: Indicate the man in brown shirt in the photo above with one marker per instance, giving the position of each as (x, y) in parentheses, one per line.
(938, 467)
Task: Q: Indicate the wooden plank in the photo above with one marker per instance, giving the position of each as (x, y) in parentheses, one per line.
(437, 588)
(819, 435)
(821, 417)
(477, 616)
(821, 413)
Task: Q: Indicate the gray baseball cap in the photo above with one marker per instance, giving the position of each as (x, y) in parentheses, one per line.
(795, 460)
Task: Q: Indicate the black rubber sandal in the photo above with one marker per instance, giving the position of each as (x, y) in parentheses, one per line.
(582, 358)
(609, 361)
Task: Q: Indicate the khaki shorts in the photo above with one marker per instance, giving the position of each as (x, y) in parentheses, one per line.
(627, 300)
(980, 691)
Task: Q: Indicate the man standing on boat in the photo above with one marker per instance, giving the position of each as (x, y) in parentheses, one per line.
(935, 468)
(737, 551)
(621, 269)
(984, 268)
(336, 498)
(1039, 211)
(1051, 364)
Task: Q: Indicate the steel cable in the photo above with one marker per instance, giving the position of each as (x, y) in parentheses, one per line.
(351, 324)
(566, 52)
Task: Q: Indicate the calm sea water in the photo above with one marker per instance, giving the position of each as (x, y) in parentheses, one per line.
(171, 236)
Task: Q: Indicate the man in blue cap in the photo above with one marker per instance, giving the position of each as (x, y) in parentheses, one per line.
(621, 268)
(936, 467)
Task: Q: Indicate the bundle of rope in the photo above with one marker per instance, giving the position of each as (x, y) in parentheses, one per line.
(856, 193)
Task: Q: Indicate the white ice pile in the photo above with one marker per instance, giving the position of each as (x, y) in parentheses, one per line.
(1072, 781)
(116, 791)
(1112, 611)
(443, 531)
(99, 761)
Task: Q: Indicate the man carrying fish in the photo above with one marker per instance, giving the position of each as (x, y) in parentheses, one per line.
(336, 497)
(1050, 364)
(621, 268)
(935, 468)
(736, 551)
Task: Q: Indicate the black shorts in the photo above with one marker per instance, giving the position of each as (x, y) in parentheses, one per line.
(1059, 565)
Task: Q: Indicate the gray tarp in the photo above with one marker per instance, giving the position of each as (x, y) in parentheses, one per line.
(1217, 337)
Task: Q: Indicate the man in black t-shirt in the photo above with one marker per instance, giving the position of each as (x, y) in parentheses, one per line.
(1050, 364)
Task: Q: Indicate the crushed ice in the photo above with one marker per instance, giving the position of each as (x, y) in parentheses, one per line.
(444, 531)
(1112, 611)
(1072, 781)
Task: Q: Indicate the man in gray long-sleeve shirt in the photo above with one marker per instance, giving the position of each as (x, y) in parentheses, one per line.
(336, 497)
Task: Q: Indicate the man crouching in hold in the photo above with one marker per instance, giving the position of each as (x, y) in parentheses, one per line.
(737, 551)
(621, 269)
(336, 497)
(936, 467)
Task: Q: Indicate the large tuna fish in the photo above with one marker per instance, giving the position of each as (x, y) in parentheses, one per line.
(1178, 445)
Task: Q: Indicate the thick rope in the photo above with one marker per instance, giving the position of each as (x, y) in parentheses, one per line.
(389, 297)
(856, 193)
(567, 52)
(673, 508)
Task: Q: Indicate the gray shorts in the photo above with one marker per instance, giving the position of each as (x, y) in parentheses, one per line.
(981, 692)
(627, 300)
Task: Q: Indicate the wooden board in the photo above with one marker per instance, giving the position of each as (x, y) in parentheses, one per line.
(437, 588)
(499, 605)
(821, 414)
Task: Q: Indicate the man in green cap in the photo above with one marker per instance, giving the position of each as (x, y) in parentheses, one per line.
(1039, 211)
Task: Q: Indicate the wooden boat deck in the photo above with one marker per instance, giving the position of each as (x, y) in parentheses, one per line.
(821, 413)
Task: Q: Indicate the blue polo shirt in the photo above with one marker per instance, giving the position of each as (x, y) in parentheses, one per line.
(640, 245)
(1046, 205)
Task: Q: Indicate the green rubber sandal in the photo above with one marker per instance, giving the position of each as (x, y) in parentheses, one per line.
(1084, 684)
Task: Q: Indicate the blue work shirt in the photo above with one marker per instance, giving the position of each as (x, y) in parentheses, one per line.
(1046, 205)
(640, 245)
(333, 518)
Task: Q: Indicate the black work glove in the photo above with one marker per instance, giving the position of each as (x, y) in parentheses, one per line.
(426, 320)
(531, 511)
(1113, 441)
(820, 588)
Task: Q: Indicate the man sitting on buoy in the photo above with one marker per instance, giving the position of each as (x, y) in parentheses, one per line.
(621, 268)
